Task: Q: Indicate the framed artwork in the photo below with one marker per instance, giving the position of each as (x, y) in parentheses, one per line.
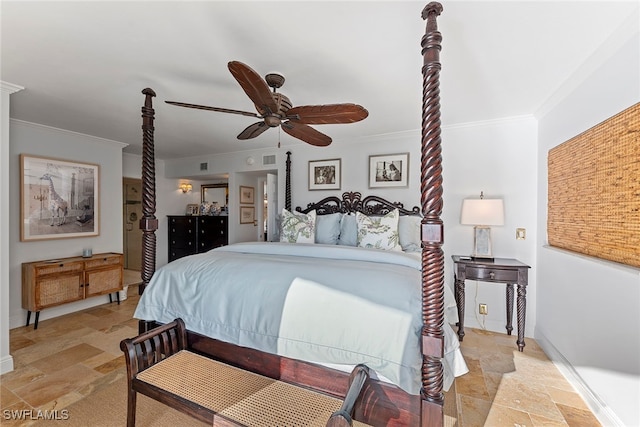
(389, 170)
(325, 174)
(247, 194)
(58, 198)
(247, 214)
(193, 209)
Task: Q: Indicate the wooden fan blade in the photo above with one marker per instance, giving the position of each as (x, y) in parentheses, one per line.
(254, 86)
(222, 110)
(306, 133)
(327, 114)
(253, 130)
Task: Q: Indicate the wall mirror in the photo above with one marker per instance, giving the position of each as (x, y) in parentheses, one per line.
(215, 193)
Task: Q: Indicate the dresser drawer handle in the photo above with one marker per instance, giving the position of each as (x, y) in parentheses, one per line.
(492, 275)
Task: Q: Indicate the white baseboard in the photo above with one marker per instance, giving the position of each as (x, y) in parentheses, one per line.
(599, 408)
(6, 364)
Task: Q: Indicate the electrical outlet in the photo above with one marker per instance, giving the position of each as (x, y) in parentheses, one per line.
(483, 309)
(521, 233)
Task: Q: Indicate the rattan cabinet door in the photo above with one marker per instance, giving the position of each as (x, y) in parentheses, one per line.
(103, 275)
(104, 281)
(51, 290)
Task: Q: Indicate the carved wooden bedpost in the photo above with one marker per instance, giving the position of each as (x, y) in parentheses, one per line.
(148, 222)
(287, 197)
(432, 227)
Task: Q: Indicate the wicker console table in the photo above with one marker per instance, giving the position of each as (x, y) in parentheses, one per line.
(54, 282)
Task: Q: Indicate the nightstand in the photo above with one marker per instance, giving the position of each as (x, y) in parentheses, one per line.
(500, 270)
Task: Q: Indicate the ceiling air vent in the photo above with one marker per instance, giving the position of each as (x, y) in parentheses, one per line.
(204, 166)
(269, 160)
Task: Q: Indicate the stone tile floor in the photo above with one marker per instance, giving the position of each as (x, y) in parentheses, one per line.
(68, 357)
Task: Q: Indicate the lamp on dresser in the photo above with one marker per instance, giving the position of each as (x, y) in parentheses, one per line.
(482, 213)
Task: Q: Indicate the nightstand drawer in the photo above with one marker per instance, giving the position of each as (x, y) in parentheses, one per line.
(490, 274)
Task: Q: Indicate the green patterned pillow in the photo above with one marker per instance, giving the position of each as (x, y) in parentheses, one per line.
(379, 232)
(298, 228)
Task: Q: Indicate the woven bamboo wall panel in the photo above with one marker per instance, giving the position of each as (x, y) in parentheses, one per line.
(594, 190)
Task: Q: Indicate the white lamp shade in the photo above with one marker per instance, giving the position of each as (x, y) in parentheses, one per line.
(482, 212)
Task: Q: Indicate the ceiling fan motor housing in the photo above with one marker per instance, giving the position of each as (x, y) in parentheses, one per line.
(274, 119)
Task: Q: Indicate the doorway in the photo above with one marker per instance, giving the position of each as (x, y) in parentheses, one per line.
(131, 213)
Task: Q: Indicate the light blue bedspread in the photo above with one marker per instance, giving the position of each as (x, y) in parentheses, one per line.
(327, 304)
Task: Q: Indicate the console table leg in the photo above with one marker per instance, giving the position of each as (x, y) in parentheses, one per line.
(28, 317)
(460, 301)
(522, 307)
(35, 324)
(509, 308)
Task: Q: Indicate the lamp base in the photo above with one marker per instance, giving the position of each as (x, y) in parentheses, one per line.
(482, 243)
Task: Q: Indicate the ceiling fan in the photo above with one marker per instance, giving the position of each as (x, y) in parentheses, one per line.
(275, 109)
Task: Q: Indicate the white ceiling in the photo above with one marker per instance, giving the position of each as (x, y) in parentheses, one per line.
(84, 64)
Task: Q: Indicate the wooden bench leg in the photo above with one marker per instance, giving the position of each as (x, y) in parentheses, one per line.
(131, 407)
(146, 350)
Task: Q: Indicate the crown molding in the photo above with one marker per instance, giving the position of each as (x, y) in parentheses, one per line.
(9, 87)
(69, 132)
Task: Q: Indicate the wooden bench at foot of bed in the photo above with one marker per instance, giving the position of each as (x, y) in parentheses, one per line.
(160, 366)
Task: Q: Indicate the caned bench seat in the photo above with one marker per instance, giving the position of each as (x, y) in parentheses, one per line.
(160, 366)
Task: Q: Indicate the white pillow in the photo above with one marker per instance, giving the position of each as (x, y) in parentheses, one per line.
(298, 228)
(379, 232)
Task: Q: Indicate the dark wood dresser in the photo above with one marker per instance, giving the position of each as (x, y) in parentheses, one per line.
(190, 235)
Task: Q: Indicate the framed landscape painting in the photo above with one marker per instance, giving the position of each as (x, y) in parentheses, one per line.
(58, 198)
(247, 194)
(247, 214)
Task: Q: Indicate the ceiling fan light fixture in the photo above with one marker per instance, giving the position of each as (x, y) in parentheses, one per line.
(272, 121)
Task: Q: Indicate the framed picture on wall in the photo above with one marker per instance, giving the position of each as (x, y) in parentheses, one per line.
(325, 174)
(58, 198)
(247, 214)
(247, 194)
(389, 170)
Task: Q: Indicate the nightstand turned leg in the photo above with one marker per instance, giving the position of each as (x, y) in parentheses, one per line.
(460, 302)
(522, 307)
(509, 308)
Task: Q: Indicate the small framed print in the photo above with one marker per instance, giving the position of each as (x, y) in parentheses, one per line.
(193, 209)
(247, 214)
(389, 170)
(324, 174)
(247, 194)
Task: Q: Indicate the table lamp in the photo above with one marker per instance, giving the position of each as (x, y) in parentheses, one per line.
(481, 213)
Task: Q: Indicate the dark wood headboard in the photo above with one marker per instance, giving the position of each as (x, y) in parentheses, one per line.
(352, 201)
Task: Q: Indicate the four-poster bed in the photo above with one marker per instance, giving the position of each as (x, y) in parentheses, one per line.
(380, 403)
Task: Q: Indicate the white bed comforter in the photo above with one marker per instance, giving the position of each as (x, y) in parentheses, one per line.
(327, 304)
